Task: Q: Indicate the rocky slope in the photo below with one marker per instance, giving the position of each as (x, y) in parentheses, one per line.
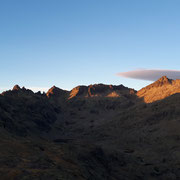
(92, 132)
(100, 90)
(160, 89)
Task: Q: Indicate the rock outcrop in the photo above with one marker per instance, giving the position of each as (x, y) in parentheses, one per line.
(100, 90)
(55, 92)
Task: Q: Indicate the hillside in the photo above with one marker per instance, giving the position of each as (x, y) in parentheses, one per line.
(92, 132)
(160, 89)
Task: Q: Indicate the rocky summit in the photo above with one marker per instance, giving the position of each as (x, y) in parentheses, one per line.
(160, 89)
(95, 132)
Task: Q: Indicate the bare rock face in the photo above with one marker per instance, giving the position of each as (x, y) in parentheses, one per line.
(100, 90)
(160, 89)
(78, 91)
(163, 81)
(16, 88)
(55, 92)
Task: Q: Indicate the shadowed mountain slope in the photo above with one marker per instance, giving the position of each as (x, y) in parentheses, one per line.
(56, 92)
(92, 132)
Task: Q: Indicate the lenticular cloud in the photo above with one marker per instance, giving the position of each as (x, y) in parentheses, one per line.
(151, 74)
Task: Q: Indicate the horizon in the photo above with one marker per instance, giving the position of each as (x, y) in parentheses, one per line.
(46, 89)
(69, 43)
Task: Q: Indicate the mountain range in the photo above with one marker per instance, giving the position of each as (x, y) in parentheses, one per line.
(95, 132)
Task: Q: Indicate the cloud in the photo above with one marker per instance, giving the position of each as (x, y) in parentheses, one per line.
(150, 74)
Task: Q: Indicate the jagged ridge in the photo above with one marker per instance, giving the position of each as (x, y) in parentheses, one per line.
(47, 136)
(100, 90)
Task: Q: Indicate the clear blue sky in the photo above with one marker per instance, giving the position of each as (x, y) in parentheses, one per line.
(71, 42)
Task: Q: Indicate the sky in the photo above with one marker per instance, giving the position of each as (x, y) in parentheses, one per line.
(80, 42)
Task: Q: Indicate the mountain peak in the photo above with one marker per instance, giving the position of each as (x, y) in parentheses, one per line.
(54, 91)
(164, 80)
(160, 89)
(16, 88)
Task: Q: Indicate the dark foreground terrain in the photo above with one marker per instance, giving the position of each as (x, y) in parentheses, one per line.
(99, 132)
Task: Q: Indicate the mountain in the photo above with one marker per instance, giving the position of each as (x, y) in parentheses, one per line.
(160, 89)
(55, 92)
(91, 132)
(101, 90)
